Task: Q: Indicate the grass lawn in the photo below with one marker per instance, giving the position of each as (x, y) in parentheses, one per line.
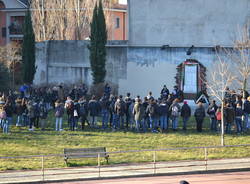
(22, 142)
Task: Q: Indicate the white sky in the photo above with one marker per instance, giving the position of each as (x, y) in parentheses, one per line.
(122, 1)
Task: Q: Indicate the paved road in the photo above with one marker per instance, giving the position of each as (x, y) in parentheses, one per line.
(218, 178)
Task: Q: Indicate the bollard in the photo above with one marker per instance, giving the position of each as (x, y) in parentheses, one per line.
(99, 166)
(205, 154)
(42, 168)
(154, 159)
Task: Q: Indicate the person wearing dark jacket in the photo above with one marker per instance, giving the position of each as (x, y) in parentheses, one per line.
(104, 102)
(120, 107)
(199, 115)
(238, 117)
(185, 114)
(229, 117)
(163, 112)
(211, 111)
(246, 109)
(94, 110)
(83, 111)
(152, 112)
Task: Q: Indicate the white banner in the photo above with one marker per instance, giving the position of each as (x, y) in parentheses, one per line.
(190, 79)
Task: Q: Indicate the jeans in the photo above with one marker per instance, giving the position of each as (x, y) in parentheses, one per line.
(247, 126)
(26, 120)
(164, 122)
(199, 122)
(6, 125)
(213, 123)
(175, 120)
(72, 123)
(120, 121)
(93, 121)
(238, 122)
(114, 121)
(153, 122)
(19, 120)
(185, 121)
(58, 123)
(105, 118)
(228, 128)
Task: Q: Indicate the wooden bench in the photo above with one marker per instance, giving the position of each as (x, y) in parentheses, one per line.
(85, 153)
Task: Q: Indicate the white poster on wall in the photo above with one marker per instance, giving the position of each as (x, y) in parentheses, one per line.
(190, 79)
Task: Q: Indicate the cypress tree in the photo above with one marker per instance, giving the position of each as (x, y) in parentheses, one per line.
(98, 40)
(28, 50)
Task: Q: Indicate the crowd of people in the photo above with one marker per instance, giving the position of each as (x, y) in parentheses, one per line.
(31, 107)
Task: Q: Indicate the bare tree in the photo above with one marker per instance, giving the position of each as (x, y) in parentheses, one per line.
(65, 19)
(220, 78)
(10, 55)
(240, 56)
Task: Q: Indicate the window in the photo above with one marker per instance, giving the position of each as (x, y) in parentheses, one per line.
(16, 25)
(117, 22)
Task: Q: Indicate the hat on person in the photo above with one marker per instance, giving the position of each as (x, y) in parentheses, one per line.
(185, 102)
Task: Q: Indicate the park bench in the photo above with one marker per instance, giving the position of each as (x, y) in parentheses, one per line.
(85, 153)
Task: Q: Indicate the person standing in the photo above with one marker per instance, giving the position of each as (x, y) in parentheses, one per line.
(163, 112)
(120, 111)
(211, 111)
(104, 102)
(175, 113)
(43, 114)
(199, 115)
(138, 112)
(238, 118)
(128, 102)
(229, 117)
(94, 110)
(246, 109)
(59, 111)
(83, 111)
(185, 114)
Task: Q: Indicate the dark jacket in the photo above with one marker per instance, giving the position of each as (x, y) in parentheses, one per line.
(239, 112)
(229, 114)
(185, 111)
(94, 108)
(152, 110)
(163, 109)
(199, 113)
(246, 107)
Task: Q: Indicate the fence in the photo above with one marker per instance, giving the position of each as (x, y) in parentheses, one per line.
(152, 161)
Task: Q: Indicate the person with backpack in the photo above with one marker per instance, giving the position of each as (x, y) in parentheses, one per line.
(31, 114)
(175, 110)
(3, 118)
(211, 111)
(18, 111)
(138, 112)
(163, 112)
(229, 117)
(69, 110)
(36, 113)
(246, 109)
(238, 118)
(104, 102)
(59, 111)
(128, 102)
(94, 110)
(164, 92)
(199, 115)
(152, 112)
(185, 114)
(83, 110)
(43, 114)
(120, 111)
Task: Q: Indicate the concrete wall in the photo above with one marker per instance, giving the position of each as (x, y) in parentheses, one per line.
(148, 69)
(68, 62)
(182, 23)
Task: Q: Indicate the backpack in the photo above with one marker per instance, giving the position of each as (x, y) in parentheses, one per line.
(175, 111)
(82, 110)
(218, 116)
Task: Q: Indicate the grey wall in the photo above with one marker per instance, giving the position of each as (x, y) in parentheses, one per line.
(68, 62)
(182, 23)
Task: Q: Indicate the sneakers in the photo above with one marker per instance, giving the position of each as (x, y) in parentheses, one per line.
(31, 129)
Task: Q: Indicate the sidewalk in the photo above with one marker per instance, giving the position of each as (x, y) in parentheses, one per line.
(113, 171)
